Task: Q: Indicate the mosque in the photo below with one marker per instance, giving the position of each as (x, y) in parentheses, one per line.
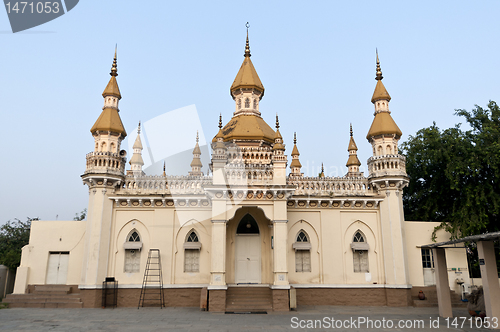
(255, 228)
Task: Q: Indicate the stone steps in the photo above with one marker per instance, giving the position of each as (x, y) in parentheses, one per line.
(45, 296)
(249, 299)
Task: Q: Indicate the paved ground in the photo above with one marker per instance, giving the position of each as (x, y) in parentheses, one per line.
(191, 319)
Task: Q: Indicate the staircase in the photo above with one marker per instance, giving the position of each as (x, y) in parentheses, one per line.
(249, 299)
(431, 298)
(46, 296)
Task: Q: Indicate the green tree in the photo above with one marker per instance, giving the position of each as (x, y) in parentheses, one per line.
(454, 174)
(13, 236)
(80, 216)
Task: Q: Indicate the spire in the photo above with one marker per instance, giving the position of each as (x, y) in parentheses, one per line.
(353, 162)
(247, 77)
(114, 67)
(136, 161)
(196, 164)
(322, 174)
(295, 165)
(164, 173)
(379, 76)
(109, 120)
(247, 46)
(112, 87)
(382, 124)
(278, 139)
(380, 92)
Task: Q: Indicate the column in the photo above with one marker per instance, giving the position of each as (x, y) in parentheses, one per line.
(489, 276)
(280, 268)
(442, 283)
(217, 287)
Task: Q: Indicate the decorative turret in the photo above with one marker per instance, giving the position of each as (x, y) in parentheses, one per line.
(196, 164)
(247, 89)
(322, 173)
(384, 135)
(108, 132)
(353, 162)
(219, 156)
(279, 158)
(295, 166)
(136, 161)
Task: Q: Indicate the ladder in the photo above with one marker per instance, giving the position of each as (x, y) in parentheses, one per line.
(152, 283)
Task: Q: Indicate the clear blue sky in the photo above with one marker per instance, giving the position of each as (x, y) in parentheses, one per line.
(316, 60)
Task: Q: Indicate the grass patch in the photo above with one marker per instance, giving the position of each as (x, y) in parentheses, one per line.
(4, 305)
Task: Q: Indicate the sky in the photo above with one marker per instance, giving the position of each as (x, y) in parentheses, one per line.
(316, 60)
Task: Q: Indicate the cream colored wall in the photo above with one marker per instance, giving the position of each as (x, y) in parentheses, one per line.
(53, 236)
(330, 233)
(164, 229)
(419, 233)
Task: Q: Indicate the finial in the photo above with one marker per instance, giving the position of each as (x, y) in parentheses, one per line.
(295, 138)
(277, 122)
(197, 137)
(220, 121)
(322, 168)
(114, 69)
(247, 47)
(139, 128)
(164, 174)
(379, 71)
(351, 129)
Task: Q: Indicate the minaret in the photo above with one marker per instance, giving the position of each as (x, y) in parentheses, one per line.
(196, 163)
(136, 161)
(219, 156)
(247, 89)
(295, 166)
(384, 135)
(387, 176)
(104, 174)
(108, 133)
(279, 158)
(353, 162)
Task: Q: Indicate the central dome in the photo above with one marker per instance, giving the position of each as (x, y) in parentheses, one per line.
(248, 127)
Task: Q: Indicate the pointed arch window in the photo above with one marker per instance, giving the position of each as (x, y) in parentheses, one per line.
(302, 248)
(192, 248)
(360, 250)
(132, 246)
(247, 103)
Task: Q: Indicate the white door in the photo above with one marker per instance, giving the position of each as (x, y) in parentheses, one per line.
(57, 269)
(247, 259)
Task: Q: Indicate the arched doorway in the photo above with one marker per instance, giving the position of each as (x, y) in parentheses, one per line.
(248, 255)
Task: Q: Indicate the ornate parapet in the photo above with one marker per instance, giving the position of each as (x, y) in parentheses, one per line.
(389, 164)
(170, 185)
(105, 163)
(330, 186)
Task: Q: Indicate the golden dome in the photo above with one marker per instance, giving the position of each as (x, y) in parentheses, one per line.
(380, 92)
(247, 76)
(383, 124)
(248, 127)
(109, 120)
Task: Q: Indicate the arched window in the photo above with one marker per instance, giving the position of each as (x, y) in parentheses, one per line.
(247, 103)
(255, 104)
(132, 246)
(239, 103)
(192, 247)
(360, 250)
(302, 248)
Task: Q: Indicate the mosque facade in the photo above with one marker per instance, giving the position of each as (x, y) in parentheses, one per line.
(256, 222)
